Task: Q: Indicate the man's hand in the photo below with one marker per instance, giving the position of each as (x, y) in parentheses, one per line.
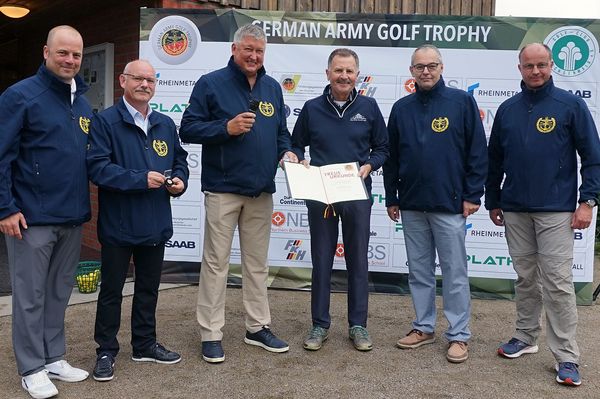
(365, 170)
(497, 217)
(469, 208)
(289, 156)
(582, 218)
(393, 212)
(177, 186)
(11, 225)
(155, 179)
(242, 123)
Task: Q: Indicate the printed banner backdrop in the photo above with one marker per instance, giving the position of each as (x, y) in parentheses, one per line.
(480, 56)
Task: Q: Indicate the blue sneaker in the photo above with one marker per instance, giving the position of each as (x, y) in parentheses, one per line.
(515, 348)
(567, 373)
(266, 340)
(212, 351)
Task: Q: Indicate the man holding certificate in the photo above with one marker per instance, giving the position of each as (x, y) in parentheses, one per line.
(340, 127)
(435, 174)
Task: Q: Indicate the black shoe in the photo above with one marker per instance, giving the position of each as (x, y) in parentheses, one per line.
(158, 354)
(212, 351)
(105, 367)
(266, 340)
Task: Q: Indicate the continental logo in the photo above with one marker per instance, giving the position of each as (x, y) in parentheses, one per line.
(266, 109)
(84, 124)
(160, 147)
(545, 124)
(439, 125)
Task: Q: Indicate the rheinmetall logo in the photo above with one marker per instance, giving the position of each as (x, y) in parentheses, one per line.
(574, 50)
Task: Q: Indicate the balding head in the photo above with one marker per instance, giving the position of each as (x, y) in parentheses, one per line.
(63, 52)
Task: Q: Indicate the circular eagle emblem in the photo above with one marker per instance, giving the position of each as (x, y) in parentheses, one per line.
(266, 109)
(545, 124)
(174, 42)
(439, 125)
(160, 147)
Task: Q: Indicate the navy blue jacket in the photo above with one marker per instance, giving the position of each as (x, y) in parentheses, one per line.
(244, 164)
(119, 158)
(353, 133)
(534, 143)
(42, 151)
(438, 156)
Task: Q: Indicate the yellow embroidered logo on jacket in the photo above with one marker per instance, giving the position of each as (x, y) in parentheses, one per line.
(160, 147)
(545, 124)
(440, 124)
(84, 124)
(266, 109)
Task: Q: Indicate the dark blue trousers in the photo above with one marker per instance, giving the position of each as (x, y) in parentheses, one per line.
(355, 217)
(148, 262)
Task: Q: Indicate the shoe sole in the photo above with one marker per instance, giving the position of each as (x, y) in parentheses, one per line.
(39, 396)
(103, 379)
(58, 377)
(314, 347)
(568, 381)
(213, 359)
(524, 351)
(268, 348)
(151, 359)
(457, 359)
(415, 346)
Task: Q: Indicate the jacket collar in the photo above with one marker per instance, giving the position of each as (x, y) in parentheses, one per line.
(51, 80)
(541, 92)
(237, 72)
(425, 95)
(127, 118)
(339, 109)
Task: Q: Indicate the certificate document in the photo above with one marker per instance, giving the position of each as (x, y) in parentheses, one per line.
(328, 184)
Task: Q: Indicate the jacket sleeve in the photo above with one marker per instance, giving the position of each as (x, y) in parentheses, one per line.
(197, 124)
(391, 165)
(12, 113)
(588, 148)
(102, 171)
(496, 164)
(300, 134)
(378, 140)
(180, 166)
(476, 162)
(284, 140)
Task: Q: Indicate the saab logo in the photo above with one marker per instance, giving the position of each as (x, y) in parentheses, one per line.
(161, 107)
(471, 88)
(294, 247)
(490, 260)
(578, 235)
(410, 85)
(266, 109)
(174, 39)
(398, 227)
(582, 93)
(358, 118)
(160, 147)
(545, 124)
(379, 198)
(288, 111)
(278, 218)
(339, 250)
(376, 252)
(439, 125)
(180, 244)
(362, 86)
(573, 48)
(84, 124)
(290, 83)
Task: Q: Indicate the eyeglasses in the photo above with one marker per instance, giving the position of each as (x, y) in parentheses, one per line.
(430, 67)
(139, 79)
(540, 66)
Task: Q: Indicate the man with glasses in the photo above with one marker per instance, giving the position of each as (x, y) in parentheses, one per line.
(434, 180)
(533, 148)
(136, 161)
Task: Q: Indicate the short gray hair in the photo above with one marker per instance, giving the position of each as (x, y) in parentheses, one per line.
(426, 47)
(251, 30)
(342, 52)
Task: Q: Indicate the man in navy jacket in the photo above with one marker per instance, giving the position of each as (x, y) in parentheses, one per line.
(435, 176)
(44, 200)
(535, 140)
(238, 115)
(341, 126)
(130, 149)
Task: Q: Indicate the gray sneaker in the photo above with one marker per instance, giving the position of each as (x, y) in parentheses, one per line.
(315, 338)
(360, 337)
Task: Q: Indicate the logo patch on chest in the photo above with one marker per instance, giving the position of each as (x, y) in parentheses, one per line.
(160, 147)
(84, 124)
(545, 124)
(439, 125)
(266, 109)
(358, 118)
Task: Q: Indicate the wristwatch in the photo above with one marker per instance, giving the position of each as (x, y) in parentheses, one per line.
(591, 203)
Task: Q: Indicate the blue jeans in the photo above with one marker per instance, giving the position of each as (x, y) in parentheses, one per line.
(424, 232)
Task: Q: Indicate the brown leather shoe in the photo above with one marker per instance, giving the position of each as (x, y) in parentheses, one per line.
(414, 339)
(457, 352)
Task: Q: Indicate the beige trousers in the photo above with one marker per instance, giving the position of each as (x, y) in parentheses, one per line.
(541, 247)
(252, 216)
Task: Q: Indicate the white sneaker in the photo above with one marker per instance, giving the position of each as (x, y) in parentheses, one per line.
(39, 385)
(61, 370)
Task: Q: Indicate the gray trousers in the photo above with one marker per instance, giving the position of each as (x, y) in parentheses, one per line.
(541, 247)
(42, 267)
